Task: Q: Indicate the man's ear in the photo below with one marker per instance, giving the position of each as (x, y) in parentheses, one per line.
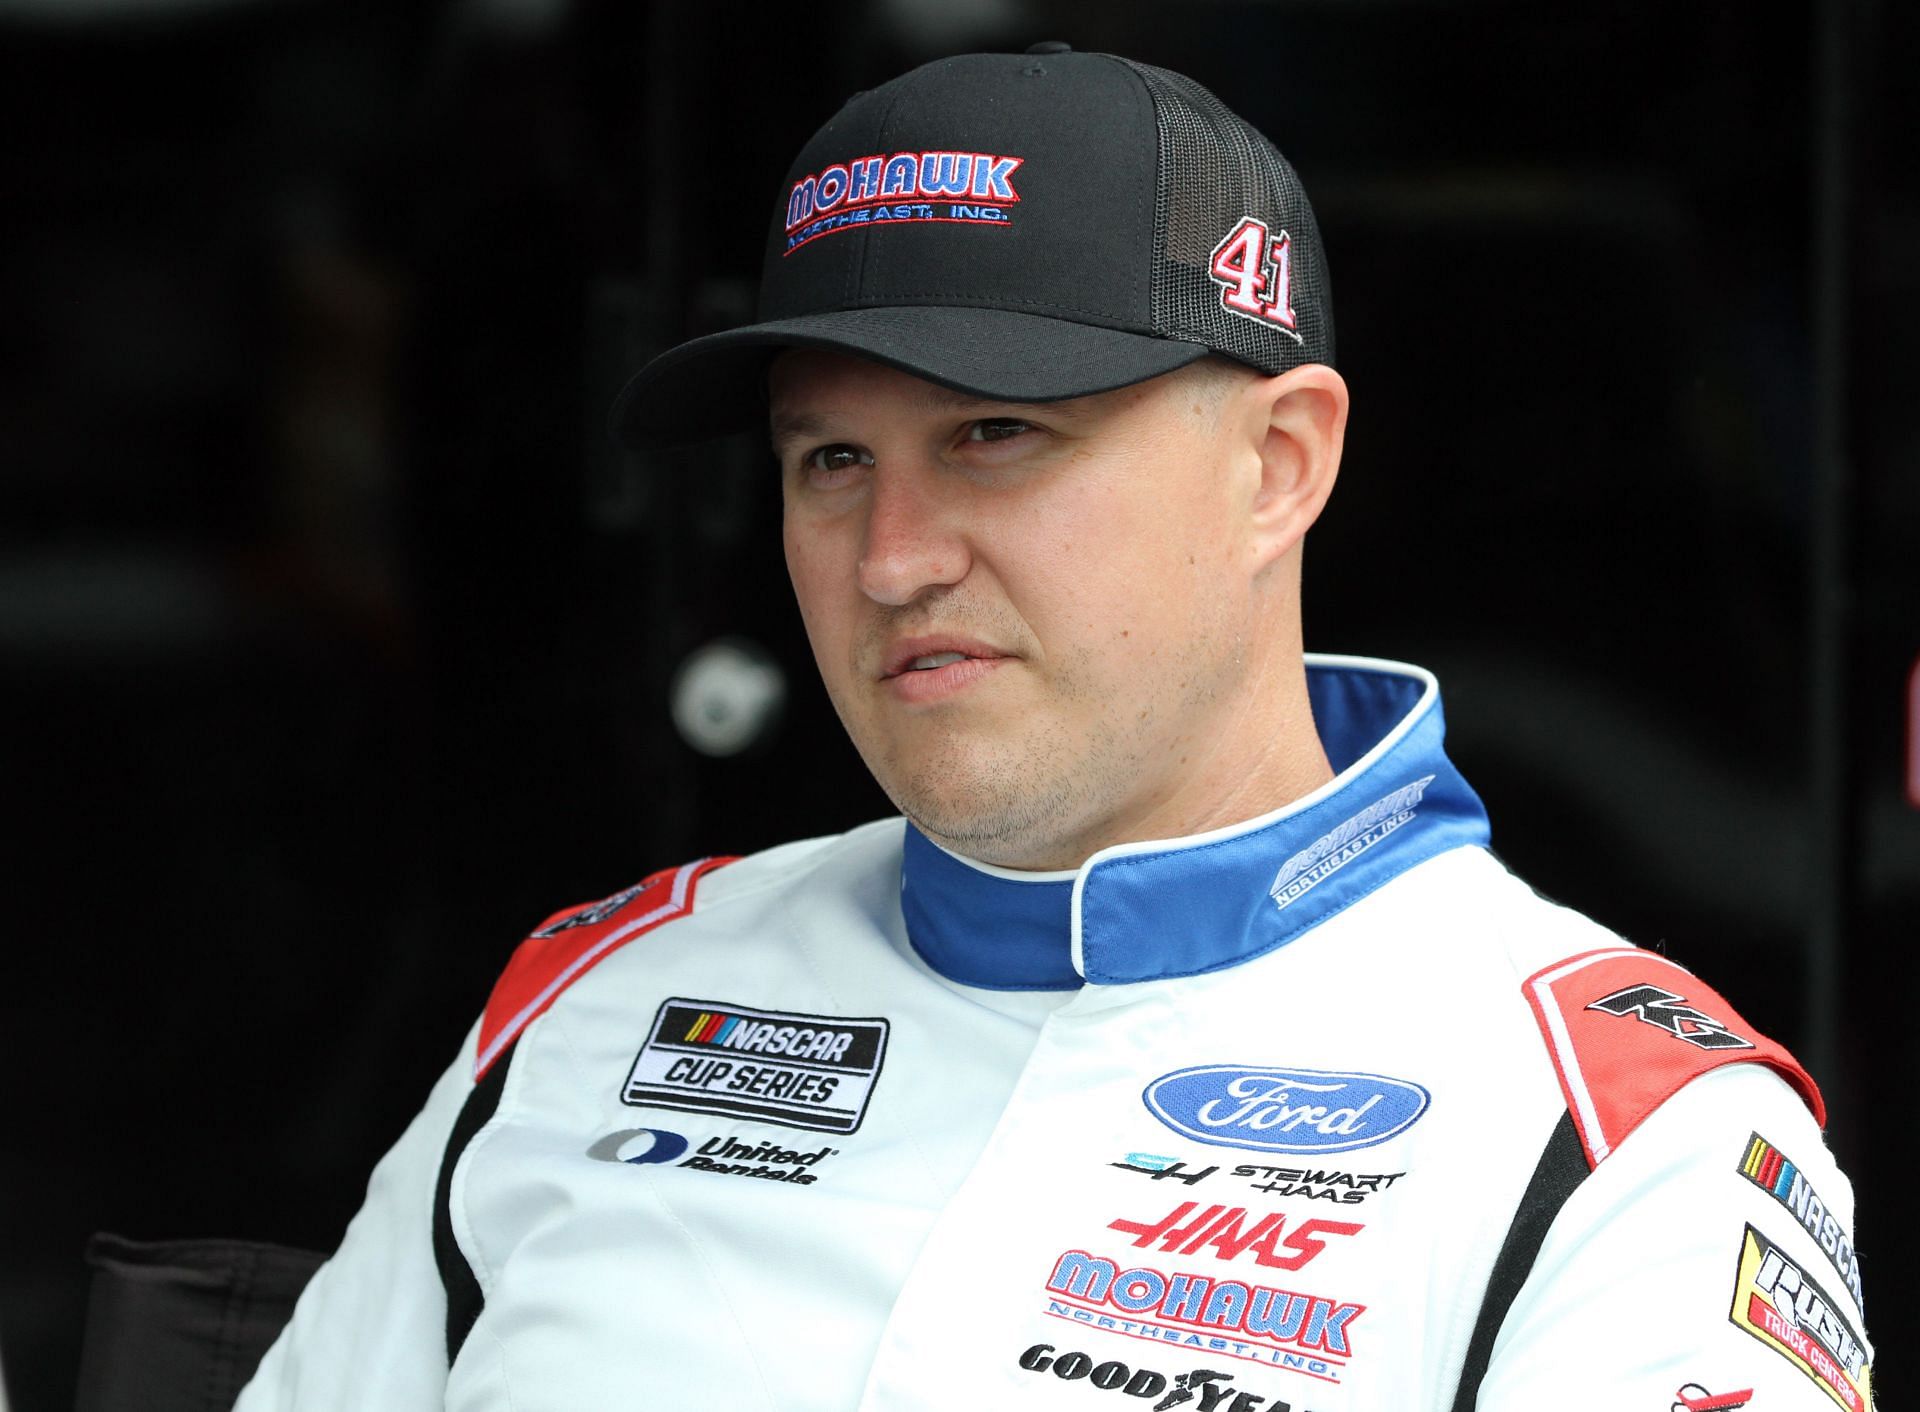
(1305, 427)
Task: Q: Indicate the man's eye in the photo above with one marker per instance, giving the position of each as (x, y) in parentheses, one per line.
(996, 429)
(839, 457)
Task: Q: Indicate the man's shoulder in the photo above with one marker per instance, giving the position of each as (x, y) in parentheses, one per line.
(572, 942)
(1625, 1028)
(1484, 907)
(826, 860)
(1628, 1028)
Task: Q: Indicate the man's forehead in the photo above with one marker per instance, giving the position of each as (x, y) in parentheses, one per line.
(806, 385)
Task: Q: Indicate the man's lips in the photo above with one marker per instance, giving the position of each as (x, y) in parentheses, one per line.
(934, 652)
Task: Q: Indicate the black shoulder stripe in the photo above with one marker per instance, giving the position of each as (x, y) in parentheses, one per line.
(464, 1299)
(1562, 1167)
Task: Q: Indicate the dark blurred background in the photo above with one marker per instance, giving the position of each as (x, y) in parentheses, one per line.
(337, 648)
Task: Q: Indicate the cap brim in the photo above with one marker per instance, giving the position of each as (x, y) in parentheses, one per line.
(717, 384)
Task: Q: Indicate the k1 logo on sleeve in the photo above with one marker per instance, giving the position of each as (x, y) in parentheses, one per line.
(1666, 1011)
(798, 1070)
(1628, 1029)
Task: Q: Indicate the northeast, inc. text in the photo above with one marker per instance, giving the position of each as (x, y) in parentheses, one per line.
(945, 212)
(798, 1070)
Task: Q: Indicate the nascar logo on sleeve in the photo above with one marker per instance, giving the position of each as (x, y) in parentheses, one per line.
(798, 1070)
(1768, 1168)
(1781, 1305)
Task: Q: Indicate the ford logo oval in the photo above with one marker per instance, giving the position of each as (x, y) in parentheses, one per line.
(1284, 1110)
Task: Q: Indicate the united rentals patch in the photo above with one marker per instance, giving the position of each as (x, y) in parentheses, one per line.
(1781, 1305)
(801, 1071)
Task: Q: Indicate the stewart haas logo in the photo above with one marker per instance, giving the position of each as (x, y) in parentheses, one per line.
(1331, 852)
(1306, 1333)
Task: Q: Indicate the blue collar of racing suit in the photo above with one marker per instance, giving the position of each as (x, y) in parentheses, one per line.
(1180, 907)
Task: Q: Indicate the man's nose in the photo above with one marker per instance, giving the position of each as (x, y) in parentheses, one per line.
(912, 541)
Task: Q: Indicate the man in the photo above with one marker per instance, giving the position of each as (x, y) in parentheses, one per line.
(1183, 1045)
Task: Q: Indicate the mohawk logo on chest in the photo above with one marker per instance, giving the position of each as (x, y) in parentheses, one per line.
(966, 187)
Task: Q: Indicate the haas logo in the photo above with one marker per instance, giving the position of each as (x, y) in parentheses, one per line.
(1664, 1010)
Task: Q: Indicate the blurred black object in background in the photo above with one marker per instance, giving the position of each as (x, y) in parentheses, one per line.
(338, 648)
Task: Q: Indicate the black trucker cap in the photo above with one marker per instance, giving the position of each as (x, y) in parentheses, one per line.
(1021, 227)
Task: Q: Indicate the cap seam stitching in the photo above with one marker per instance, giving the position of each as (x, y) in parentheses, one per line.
(857, 267)
(1153, 231)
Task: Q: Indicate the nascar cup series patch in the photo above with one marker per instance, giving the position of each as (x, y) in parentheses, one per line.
(798, 1070)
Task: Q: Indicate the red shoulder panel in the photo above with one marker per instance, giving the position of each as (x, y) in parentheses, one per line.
(570, 943)
(1628, 1029)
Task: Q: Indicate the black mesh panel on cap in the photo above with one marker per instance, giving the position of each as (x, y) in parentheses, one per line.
(1214, 171)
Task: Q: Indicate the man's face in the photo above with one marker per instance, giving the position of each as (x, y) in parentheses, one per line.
(1029, 618)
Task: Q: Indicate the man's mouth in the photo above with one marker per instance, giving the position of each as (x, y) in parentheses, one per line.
(929, 653)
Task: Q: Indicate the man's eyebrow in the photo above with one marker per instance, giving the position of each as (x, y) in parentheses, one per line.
(796, 423)
(792, 425)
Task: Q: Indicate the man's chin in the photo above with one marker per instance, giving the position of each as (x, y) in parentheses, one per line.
(991, 823)
(1010, 792)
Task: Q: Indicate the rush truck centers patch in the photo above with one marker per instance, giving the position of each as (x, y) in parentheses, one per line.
(1780, 1304)
(801, 1071)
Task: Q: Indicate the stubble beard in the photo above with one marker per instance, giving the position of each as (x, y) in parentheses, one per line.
(1011, 800)
(1047, 786)
(1039, 789)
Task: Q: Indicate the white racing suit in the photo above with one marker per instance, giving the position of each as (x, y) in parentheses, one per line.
(1323, 1112)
